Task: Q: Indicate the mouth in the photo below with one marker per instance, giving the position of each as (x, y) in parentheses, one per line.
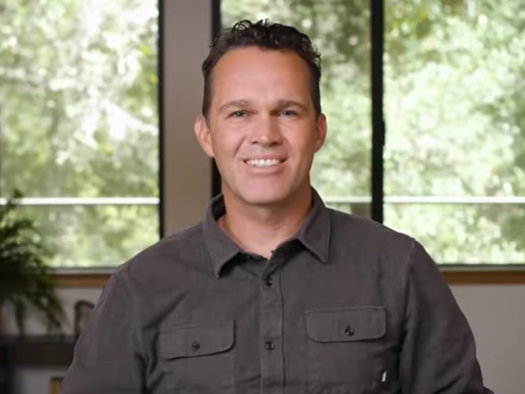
(263, 163)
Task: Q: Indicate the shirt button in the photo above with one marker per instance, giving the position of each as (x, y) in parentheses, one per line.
(195, 346)
(268, 281)
(269, 345)
(349, 331)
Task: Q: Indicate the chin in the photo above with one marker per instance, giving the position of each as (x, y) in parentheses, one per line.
(265, 197)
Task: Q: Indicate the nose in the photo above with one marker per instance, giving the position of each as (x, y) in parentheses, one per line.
(267, 132)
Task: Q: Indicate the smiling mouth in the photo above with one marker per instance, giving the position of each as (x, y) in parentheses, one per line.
(263, 163)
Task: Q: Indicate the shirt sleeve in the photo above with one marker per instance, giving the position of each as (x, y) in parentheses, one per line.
(438, 351)
(107, 358)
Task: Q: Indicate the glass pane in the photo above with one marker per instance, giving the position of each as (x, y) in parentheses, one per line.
(79, 98)
(446, 231)
(94, 236)
(455, 114)
(340, 30)
(78, 118)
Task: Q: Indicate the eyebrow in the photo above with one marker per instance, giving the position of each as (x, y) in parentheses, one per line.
(235, 104)
(243, 103)
(291, 103)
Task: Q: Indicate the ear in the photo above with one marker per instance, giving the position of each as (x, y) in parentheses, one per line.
(320, 131)
(202, 132)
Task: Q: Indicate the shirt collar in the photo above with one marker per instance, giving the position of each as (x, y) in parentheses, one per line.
(221, 248)
(314, 233)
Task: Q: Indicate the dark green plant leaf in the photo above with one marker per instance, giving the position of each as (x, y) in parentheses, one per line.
(25, 278)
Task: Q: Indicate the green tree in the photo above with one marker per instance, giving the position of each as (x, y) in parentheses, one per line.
(455, 113)
(79, 119)
(78, 82)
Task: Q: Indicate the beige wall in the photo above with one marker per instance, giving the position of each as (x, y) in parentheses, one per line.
(496, 313)
(188, 171)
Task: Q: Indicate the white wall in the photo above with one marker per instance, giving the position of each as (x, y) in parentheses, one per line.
(495, 313)
(497, 317)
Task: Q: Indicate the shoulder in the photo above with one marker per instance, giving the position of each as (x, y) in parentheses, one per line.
(387, 258)
(169, 258)
(372, 245)
(367, 232)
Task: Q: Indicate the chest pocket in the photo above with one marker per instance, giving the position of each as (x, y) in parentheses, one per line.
(198, 358)
(345, 349)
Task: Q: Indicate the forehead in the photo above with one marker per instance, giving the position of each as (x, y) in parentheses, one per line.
(251, 72)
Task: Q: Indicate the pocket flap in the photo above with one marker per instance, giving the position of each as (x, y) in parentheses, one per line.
(196, 340)
(346, 325)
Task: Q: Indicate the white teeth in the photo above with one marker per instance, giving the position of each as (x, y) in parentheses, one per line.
(263, 163)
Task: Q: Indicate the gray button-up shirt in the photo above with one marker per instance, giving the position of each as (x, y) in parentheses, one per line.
(345, 306)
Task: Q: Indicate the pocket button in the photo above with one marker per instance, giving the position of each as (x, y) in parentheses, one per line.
(195, 346)
(349, 331)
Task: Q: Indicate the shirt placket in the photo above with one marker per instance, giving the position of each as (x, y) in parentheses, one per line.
(271, 334)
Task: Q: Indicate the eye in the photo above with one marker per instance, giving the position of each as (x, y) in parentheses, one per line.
(238, 114)
(288, 113)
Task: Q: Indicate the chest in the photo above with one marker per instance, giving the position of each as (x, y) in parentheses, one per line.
(293, 331)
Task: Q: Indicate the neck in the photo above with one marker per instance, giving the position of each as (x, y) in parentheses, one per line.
(261, 229)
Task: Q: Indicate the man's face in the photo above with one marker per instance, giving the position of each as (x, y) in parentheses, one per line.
(262, 128)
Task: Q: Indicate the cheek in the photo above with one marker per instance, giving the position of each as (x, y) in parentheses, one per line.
(304, 148)
(226, 146)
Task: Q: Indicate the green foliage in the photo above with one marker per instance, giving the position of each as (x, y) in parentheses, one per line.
(454, 108)
(25, 276)
(78, 118)
(79, 81)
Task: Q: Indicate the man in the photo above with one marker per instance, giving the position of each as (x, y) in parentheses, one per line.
(273, 292)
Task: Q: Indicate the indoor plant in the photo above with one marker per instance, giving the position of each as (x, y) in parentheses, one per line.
(25, 278)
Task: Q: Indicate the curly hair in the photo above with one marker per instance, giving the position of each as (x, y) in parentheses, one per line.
(265, 35)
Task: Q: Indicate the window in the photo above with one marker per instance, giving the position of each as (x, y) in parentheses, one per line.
(79, 124)
(455, 114)
(452, 169)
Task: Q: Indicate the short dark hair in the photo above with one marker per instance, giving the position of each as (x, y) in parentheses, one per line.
(266, 35)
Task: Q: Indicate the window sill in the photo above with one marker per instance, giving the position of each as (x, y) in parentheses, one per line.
(454, 276)
(71, 280)
(484, 276)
